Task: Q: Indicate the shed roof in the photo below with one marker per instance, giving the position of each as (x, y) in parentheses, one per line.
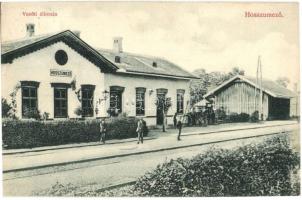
(268, 86)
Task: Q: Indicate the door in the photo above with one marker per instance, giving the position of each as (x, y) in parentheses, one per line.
(159, 109)
(60, 103)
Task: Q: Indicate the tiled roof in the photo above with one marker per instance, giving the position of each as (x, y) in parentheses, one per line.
(273, 87)
(12, 45)
(129, 62)
(13, 50)
(144, 64)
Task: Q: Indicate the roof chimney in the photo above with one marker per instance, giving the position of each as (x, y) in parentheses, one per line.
(77, 33)
(117, 44)
(30, 30)
(117, 59)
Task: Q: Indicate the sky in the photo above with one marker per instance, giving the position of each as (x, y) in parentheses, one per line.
(212, 36)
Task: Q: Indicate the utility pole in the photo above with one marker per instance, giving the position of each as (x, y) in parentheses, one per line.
(259, 83)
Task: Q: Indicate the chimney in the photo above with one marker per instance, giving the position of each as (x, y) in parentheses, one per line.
(77, 33)
(30, 30)
(117, 59)
(154, 64)
(117, 44)
(295, 87)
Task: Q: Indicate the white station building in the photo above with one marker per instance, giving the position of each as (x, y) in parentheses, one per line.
(59, 73)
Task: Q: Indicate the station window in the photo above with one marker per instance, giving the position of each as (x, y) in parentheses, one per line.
(87, 100)
(29, 98)
(180, 101)
(116, 93)
(140, 101)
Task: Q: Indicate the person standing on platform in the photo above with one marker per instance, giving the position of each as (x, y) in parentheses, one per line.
(175, 120)
(179, 126)
(139, 130)
(103, 129)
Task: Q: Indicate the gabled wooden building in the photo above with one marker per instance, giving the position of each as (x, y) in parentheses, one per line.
(241, 94)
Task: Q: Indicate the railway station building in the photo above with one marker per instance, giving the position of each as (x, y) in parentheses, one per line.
(60, 74)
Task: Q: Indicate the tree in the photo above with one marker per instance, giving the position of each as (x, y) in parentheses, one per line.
(198, 87)
(283, 81)
(6, 107)
(236, 71)
(164, 103)
(207, 81)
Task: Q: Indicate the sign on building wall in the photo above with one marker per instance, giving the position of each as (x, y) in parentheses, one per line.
(63, 73)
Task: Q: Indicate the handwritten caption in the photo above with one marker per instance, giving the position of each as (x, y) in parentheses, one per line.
(39, 14)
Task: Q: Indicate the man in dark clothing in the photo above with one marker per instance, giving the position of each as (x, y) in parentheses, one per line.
(179, 126)
(103, 129)
(175, 120)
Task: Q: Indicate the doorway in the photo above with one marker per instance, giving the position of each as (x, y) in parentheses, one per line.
(161, 96)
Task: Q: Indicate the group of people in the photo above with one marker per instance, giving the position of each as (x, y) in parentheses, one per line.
(140, 129)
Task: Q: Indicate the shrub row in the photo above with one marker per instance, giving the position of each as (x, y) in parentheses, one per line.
(235, 117)
(29, 134)
(253, 170)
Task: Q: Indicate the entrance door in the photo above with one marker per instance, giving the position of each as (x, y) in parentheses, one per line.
(60, 102)
(159, 110)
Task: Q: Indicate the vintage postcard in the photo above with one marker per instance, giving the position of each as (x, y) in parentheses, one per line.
(150, 99)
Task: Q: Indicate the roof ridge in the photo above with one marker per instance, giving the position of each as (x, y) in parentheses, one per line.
(32, 37)
(271, 81)
(131, 54)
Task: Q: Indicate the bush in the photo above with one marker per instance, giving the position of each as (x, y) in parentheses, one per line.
(253, 170)
(118, 126)
(255, 116)
(5, 108)
(244, 117)
(233, 117)
(32, 133)
(78, 111)
(32, 114)
(221, 115)
(45, 116)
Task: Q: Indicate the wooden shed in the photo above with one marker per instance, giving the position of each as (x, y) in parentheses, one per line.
(241, 94)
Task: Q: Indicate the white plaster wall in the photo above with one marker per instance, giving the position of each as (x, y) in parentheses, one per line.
(130, 82)
(36, 67)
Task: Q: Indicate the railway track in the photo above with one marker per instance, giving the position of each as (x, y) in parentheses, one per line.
(71, 165)
(119, 168)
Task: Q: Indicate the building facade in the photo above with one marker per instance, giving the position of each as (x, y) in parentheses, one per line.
(61, 75)
(242, 94)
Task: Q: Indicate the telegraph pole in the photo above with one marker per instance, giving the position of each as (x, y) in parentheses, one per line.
(259, 82)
